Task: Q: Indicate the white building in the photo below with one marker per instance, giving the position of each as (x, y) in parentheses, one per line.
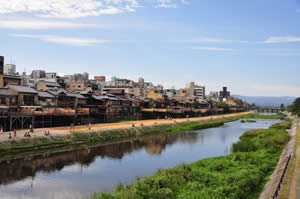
(9, 69)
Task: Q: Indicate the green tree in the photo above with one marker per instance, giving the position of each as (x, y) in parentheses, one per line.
(282, 107)
(295, 107)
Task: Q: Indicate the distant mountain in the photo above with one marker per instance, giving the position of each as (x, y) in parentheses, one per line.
(267, 101)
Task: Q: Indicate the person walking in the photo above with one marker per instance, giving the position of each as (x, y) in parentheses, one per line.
(15, 133)
(31, 128)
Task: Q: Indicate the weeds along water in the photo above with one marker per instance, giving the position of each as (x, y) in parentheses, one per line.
(241, 174)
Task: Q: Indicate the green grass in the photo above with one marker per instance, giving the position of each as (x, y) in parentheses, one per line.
(32, 146)
(282, 125)
(240, 175)
(248, 121)
(258, 116)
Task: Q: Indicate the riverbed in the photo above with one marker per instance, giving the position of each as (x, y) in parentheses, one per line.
(79, 173)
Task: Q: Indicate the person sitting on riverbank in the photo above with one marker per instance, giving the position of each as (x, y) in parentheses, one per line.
(9, 135)
(27, 134)
(47, 133)
(142, 124)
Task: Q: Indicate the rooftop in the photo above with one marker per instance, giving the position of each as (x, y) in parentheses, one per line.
(22, 89)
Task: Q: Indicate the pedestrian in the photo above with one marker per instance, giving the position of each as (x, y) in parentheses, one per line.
(9, 135)
(89, 126)
(132, 125)
(1, 130)
(71, 126)
(31, 128)
(15, 133)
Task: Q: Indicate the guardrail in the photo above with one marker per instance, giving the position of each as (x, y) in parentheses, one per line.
(282, 178)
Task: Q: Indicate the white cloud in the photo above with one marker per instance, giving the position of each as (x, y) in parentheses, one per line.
(212, 49)
(166, 4)
(64, 40)
(212, 40)
(281, 40)
(67, 8)
(38, 24)
(78, 8)
(279, 52)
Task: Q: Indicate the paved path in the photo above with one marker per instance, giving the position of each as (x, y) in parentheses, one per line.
(60, 131)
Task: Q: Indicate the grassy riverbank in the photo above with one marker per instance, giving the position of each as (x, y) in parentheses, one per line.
(103, 136)
(248, 121)
(239, 175)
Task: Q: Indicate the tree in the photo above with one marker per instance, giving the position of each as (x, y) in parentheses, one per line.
(282, 107)
(295, 107)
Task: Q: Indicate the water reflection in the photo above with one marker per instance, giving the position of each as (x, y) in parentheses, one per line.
(15, 170)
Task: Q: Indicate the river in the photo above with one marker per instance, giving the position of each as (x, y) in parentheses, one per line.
(79, 173)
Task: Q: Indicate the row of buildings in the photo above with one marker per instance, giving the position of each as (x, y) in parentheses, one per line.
(46, 99)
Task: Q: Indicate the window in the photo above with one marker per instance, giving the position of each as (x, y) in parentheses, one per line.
(2, 100)
(28, 100)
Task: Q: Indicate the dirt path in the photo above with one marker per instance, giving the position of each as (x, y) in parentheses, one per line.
(62, 131)
(271, 186)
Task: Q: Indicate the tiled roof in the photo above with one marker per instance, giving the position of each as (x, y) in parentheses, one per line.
(45, 94)
(6, 92)
(76, 95)
(50, 84)
(22, 89)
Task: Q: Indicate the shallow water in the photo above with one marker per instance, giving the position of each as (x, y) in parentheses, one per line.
(80, 173)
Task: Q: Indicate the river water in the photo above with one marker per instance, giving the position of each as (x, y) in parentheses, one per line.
(80, 173)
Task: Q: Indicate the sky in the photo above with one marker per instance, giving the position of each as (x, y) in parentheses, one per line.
(251, 46)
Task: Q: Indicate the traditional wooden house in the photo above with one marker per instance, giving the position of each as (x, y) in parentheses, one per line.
(46, 99)
(43, 85)
(26, 96)
(63, 99)
(8, 102)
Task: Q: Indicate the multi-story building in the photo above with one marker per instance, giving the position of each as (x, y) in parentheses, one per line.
(214, 95)
(224, 94)
(170, 92)
(6, 79)
(38, 74)
(9, 69)
(51, 75)
(193, 90)
(77, 86)
(99, 78)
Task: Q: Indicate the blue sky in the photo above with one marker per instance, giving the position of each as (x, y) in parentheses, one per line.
(251, 46)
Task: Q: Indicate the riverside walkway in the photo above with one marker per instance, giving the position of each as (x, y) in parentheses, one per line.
(62, 131)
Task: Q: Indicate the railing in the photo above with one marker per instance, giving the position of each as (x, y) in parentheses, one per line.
(282, 178)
